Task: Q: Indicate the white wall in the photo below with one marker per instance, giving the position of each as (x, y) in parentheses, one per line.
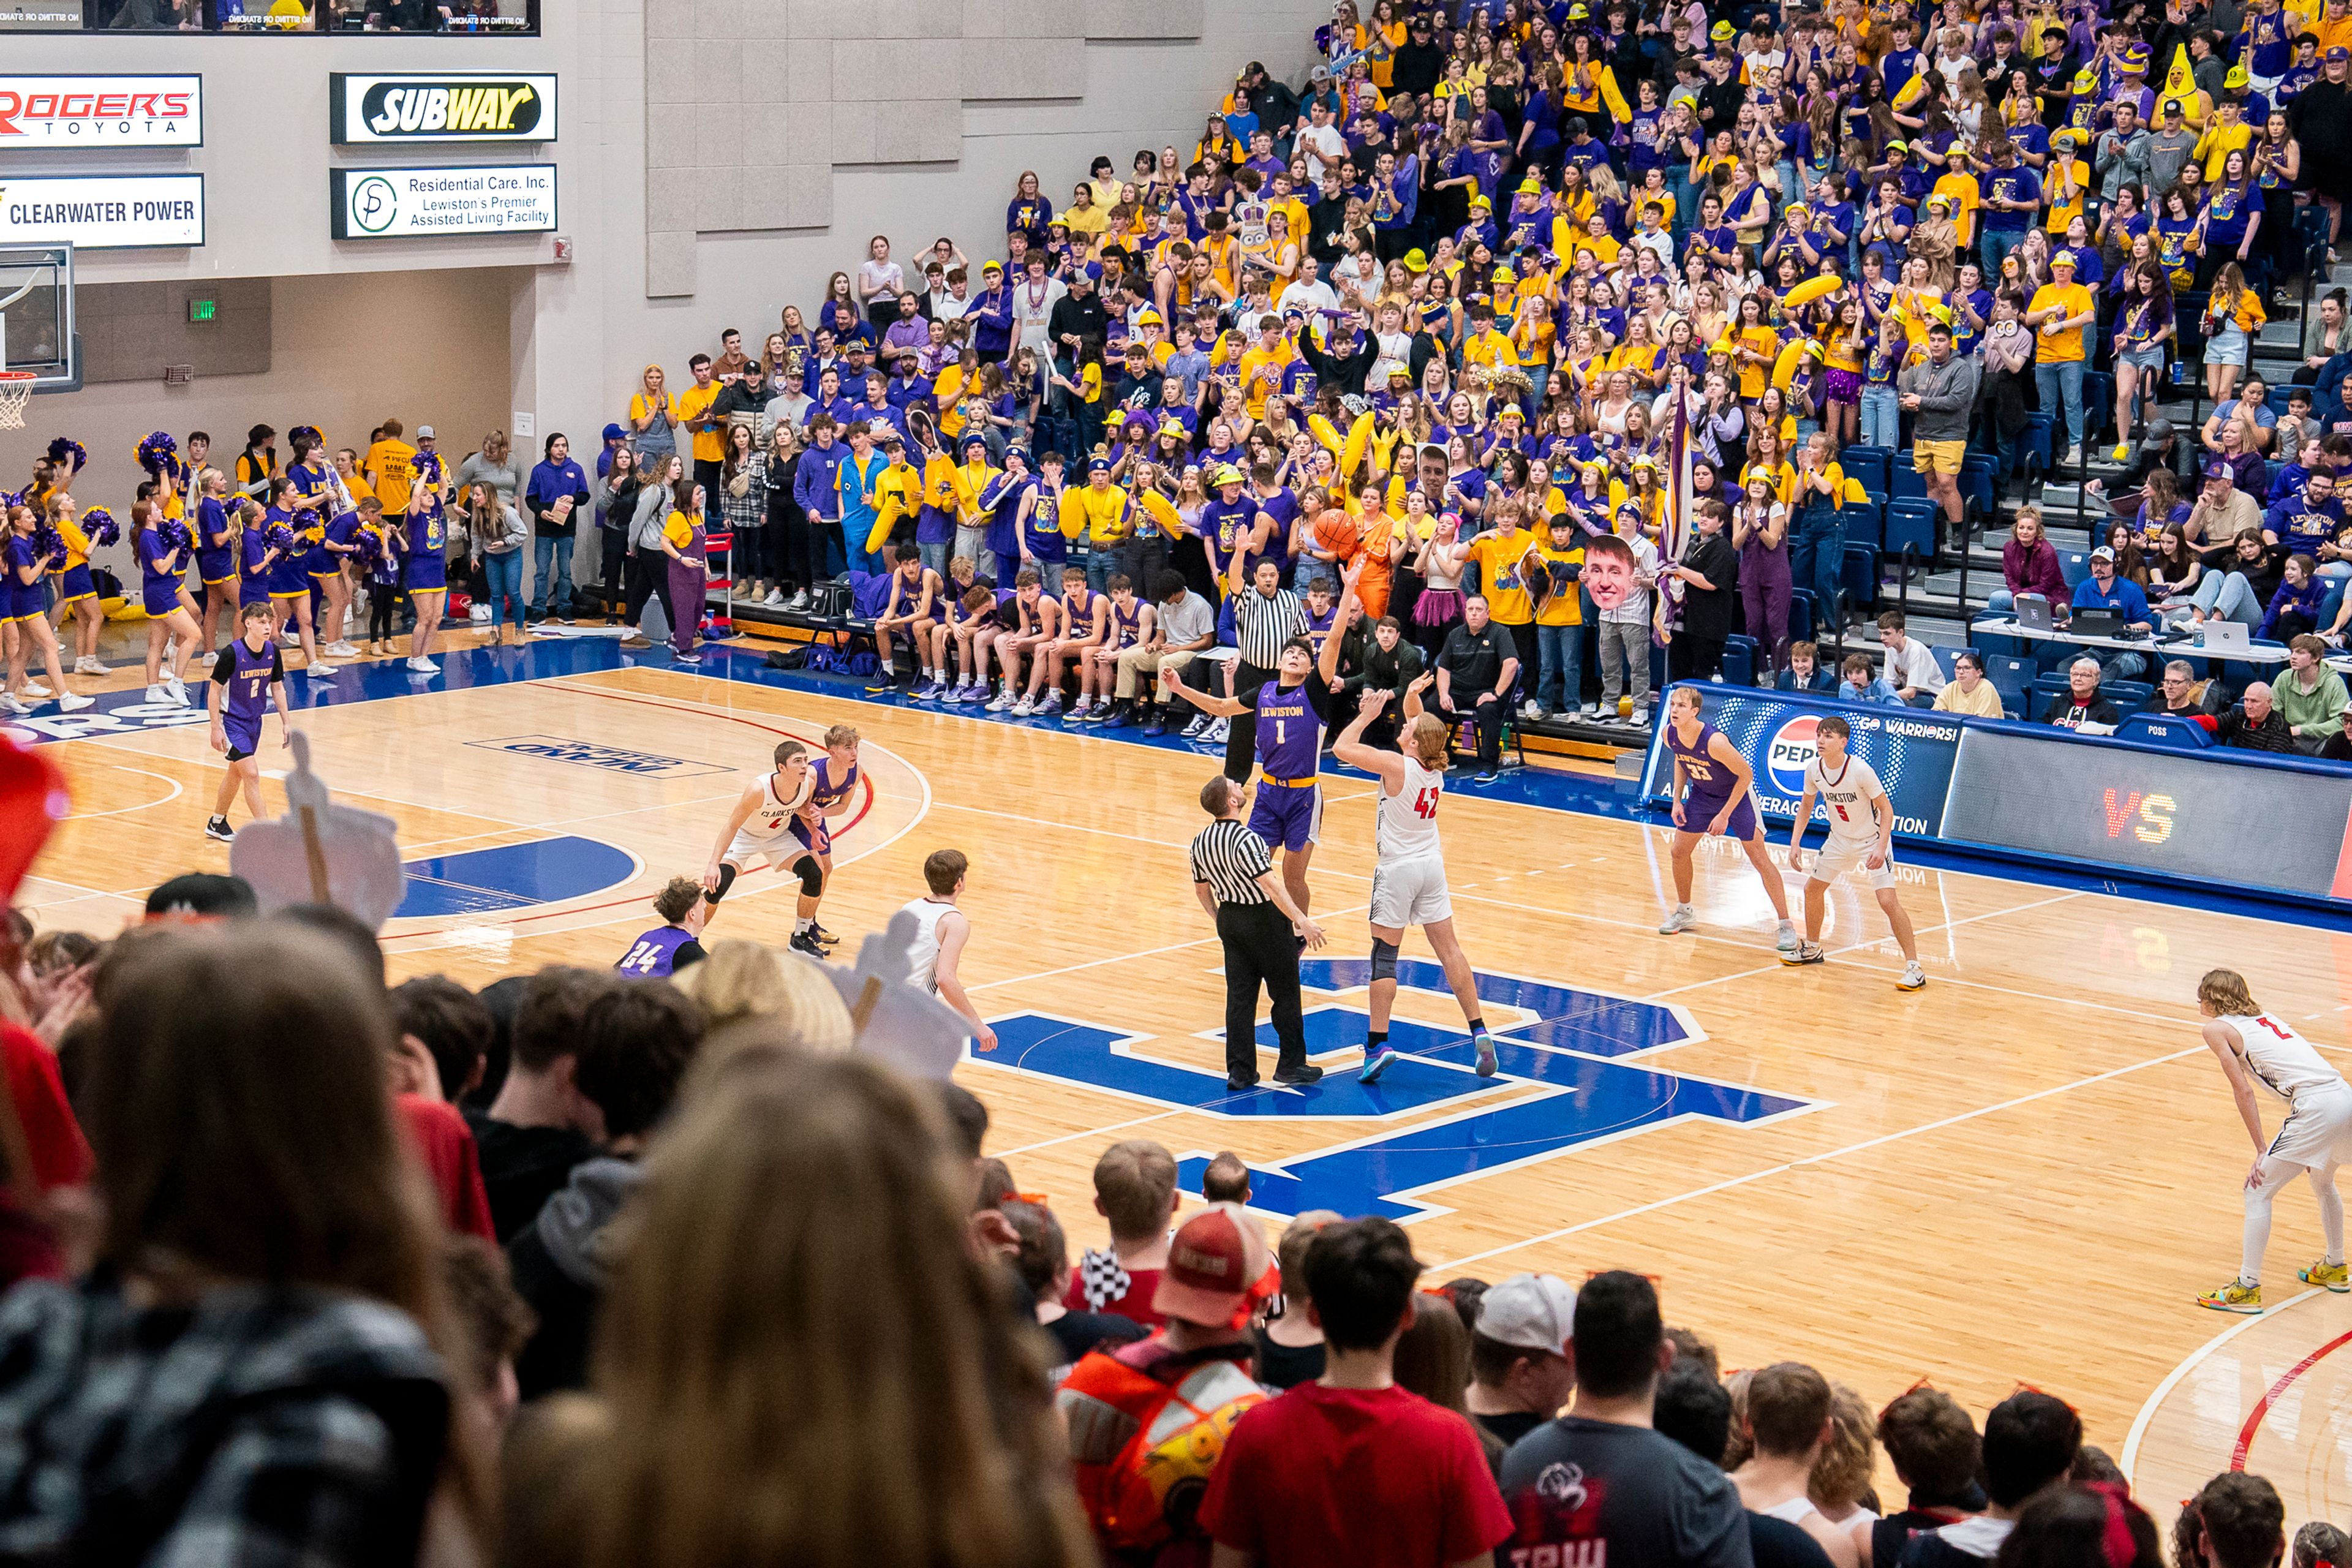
(575, 336)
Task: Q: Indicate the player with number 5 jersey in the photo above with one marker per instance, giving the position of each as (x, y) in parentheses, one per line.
(2258, 1048)
(1409, 877)
(1861, 840)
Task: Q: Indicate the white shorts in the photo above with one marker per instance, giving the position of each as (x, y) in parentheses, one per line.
(2317, 1130)
(1410, 893)
(1834, 860)
(745, 850)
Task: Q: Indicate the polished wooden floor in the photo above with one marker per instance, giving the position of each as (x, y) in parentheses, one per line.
(2023, 1173)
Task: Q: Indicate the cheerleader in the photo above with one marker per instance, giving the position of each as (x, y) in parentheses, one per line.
(29, 552)
(77, 596)
(216, 536)
(163, 547)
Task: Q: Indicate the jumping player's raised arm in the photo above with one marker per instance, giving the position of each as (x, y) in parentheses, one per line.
(1206, 702)
(1327, 664)
(1351, 749)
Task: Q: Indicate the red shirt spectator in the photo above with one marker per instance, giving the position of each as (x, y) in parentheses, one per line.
(61, 1156)
(1295, 1475)
(446, 1146)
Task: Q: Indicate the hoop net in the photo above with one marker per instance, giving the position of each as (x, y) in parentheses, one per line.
(15, 393)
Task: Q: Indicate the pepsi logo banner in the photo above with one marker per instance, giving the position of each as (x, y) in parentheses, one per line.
(78, 112)
(1913, 749)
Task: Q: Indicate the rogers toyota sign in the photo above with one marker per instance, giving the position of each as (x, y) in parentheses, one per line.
(74, 111)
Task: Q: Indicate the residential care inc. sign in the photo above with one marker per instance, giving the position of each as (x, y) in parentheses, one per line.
(409, 203)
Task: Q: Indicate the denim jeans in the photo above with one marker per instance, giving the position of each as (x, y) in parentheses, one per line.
(972, 543)
(551, 559)
(1816, 558)
(2000, 602)
(2062, 382)
(504, 571)
(1882, 417)
(2230, 596)
(1562, 651)
(1998, 243)
(934, 556)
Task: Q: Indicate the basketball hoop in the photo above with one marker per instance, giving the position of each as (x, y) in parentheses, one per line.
(15, 393)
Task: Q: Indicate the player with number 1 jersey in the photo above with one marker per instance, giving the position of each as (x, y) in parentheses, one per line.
(1409, 878)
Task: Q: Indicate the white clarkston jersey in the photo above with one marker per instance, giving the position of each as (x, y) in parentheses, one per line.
(775, 813)
(1405, 826)
(2281, 1060)
(1850, 799)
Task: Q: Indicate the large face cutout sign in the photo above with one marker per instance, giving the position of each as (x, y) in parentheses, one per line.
(1608, 573)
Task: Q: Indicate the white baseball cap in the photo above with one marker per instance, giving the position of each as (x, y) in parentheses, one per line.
(425, 432)
(1530, 1312)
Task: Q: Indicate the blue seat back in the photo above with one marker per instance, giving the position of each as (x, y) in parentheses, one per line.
(1801, 618)
(2076, 563)
(1912, 522)
(1863, 523)
(1867, 464)
(1858, 579)
(2163, 730)
(1740, 660)
(1907, 484)
(2013, 678)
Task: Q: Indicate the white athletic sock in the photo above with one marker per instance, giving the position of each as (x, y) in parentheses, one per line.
(2257, 1235)
(802, 925)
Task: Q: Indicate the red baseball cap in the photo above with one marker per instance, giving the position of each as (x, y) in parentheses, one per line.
(1219, 1270)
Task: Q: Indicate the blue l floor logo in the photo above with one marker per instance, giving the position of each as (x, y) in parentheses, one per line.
(1566, 1046)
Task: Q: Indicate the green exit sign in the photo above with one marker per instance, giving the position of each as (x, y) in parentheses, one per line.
(202, 310)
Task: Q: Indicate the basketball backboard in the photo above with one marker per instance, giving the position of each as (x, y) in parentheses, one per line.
(36, 315)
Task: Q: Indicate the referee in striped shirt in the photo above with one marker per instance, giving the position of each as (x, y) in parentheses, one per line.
(1265, 616)
(1263, 933)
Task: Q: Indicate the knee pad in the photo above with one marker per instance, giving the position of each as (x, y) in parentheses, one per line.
(725, 881)
(1385, 957)
(811, 876)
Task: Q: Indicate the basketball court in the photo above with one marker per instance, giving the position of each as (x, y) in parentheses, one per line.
(2021, 1174)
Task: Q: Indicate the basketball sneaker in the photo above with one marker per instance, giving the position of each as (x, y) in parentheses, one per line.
(218, 828)
(1022, 709)
(1486, 1044)
(1002, 700)
(1376, 1064)
(2234, 1297)
(1051, 707)
(87, 666)
(1084, 711)
(1788, 941)
(1192, 731)
(1915, 977)
(1805, 953)
(1219, 731)
(806, 942)
(2329, 1276)
(67, 702)
(158, 696)
(822, 935)
(175, 691)
(36, 690)
(1684, 918)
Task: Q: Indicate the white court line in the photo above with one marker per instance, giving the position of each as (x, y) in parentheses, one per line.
(1124, 957)
(2188, 1363)
(1089, 1132)
(1824, 1157)
(576, 821)
(144, 806)
(1857, 946)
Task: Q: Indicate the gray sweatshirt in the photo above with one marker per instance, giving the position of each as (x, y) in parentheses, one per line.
(1946, 394)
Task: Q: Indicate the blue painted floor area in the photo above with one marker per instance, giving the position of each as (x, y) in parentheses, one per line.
(512, 877)
(544, 658)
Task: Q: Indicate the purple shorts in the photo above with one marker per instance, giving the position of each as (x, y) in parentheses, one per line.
(1698, 811)
(816, 836)
(1287, 819)
(1841, 386)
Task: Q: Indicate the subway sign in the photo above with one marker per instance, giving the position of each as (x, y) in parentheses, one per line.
(423, 106)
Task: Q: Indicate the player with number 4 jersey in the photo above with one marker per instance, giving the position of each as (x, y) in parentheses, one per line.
(1409, 877)
(2258, 1048)
(1861, 840)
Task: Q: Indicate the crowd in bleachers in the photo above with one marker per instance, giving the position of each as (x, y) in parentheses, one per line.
(589, 1269)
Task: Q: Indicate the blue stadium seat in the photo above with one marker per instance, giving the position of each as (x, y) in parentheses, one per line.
(2076, 564)
(1865, 522)
(2126, 695)
(1859, 580)
(2098, 403)
(2013, 678)
(1947, 660)
(1867, 464)
(2050, 683)
(1906, 484)
(1740, 660)
(1975, 484)
(1801, 614)
(2276, 399)
(2037, 438)
(1912, 522)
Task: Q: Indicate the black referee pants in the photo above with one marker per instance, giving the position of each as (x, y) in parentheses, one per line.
(1260, 950)
(1241, 738)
